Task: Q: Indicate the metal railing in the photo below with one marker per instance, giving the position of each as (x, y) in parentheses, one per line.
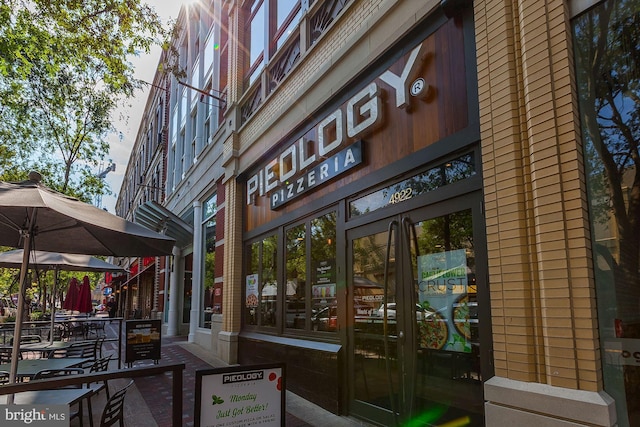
(42, 328)
(176, 370)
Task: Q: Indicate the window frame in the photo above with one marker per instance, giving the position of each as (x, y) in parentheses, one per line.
(280, 233)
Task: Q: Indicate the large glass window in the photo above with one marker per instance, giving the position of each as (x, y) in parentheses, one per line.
(188, 288)
(269, 24)
(256, 40)
(309, 288)
(261, 283)
(296, 261)
(607, 58)
(209, 49)
(183, 107)
(288, 16)
(323, 274)
(209, 303)
(195, 82)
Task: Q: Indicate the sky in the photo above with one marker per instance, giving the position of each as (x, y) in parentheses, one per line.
(122, 142)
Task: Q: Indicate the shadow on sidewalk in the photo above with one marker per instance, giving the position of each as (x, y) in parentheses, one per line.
(149, 402)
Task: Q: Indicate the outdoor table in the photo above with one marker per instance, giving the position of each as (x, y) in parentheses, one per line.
(27, 368)
(46, 347)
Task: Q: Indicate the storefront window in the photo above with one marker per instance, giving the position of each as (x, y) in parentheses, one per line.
(296, 307)
(607, 58)
(323, 273)
(251, 300)
(210, 304)
(261, 283)
(310, 299)
(186, 297)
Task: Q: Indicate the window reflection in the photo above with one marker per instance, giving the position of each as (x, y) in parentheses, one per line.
(276, 27)
(211, 303)
(323, 273)
(309, 289)
(606, 43)
(296, 308)
(447, 173)
(261, 283)
(251, 299)
(269, 282)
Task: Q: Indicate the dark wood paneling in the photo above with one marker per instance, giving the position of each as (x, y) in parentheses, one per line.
(311, 374)
(403, 131)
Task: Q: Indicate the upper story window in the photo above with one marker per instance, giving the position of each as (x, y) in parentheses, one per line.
(195, 82)
(183, 107)
(269, 23)
(174, 125)
(288, 16)
(256, 34)
(207, 55)
(159, 123)
(223, 58)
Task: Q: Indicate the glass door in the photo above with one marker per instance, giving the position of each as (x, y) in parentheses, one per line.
(416, 310)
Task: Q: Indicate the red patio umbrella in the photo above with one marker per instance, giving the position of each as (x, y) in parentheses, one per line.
(70, 300)
(83, 304)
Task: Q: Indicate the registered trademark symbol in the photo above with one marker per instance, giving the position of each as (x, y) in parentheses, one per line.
(417, 87)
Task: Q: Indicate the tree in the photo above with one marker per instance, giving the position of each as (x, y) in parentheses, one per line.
(64, 71)
(607, 50)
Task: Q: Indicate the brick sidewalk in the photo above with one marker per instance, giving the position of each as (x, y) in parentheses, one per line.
(156, 390)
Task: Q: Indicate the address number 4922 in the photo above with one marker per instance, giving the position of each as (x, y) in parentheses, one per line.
(401, 196)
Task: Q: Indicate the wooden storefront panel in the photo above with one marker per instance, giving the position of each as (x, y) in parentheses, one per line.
(400, 132)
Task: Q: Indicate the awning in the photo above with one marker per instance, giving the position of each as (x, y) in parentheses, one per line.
(148, 269)
(158, 218)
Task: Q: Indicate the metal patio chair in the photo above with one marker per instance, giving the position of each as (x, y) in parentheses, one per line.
(114, 409)
(88, 349)
(101, 365)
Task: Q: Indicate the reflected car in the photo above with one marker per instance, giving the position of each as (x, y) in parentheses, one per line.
(325, 319)
(421, 312)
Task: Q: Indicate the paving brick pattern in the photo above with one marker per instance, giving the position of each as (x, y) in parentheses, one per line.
(156, 390)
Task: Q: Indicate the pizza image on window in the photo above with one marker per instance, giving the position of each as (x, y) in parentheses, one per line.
(252, 300)
(461, 316)
(434, 332)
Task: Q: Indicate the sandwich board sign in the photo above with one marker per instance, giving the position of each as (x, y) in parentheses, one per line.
(143, 340)
(249, 395)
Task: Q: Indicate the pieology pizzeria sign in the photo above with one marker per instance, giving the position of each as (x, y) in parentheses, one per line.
(333, 147)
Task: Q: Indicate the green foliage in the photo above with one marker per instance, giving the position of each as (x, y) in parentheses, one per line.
(64, 71)
(607, 54)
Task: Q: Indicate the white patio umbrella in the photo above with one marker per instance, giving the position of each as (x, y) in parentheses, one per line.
(55, 261)
(34, 216)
